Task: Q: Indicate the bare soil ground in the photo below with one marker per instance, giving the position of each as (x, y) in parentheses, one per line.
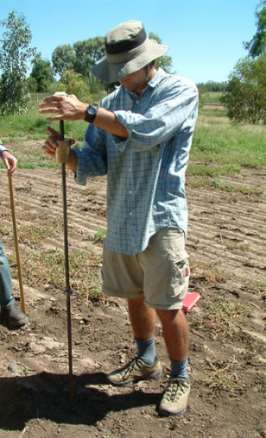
(226, 242)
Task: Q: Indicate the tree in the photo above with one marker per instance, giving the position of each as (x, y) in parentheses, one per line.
(88, 52)
(245, 96)
(41, 75)
(15, 53)
(257, 45)
(74, 83)
(63, 58)
(164, 61)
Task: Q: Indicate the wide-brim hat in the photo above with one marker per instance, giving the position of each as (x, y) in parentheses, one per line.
(128, 49)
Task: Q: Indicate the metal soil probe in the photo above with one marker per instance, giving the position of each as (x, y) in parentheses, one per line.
(62, 153)
(12, 205)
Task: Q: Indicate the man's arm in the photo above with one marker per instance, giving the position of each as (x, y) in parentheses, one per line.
(69, 107)
(176, 108)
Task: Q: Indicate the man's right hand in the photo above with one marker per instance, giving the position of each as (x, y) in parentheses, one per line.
(63, 106)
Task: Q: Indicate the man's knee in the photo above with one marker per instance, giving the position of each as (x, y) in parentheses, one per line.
(168, 316)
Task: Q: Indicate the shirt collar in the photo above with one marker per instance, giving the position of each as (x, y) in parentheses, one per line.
(159, 75)
(156, 78)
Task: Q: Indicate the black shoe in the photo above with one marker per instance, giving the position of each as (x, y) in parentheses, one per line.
(12, 317)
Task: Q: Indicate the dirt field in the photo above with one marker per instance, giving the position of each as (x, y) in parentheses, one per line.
(226, 242)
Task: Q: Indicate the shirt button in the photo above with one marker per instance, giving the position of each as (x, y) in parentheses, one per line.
(130, 214)
(130, 192)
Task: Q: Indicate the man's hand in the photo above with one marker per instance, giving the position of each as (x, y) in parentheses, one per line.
(53, 143)
(63, 107)
(10, 160)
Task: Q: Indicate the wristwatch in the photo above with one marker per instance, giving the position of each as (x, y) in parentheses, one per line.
(90, 113)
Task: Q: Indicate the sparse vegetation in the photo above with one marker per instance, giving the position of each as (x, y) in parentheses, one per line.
(100, 235)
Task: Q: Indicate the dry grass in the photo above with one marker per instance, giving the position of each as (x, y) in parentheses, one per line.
(223, 377)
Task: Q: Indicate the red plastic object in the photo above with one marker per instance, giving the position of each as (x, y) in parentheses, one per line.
(190, 300)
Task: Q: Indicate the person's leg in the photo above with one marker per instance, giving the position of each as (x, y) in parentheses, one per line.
(142, 320)
(166, 282)
(10, 315)
(123, 277)
(176, 337)
(6, 294)
(145, 365)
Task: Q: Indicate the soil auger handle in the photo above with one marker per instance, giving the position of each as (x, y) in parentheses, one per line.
(13, 211)
(62, 155)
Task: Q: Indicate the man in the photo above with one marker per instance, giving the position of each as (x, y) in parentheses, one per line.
(10, 315)
(140, 135)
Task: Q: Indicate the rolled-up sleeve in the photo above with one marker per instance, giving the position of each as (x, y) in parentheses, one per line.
(177, 106)
(91, 156)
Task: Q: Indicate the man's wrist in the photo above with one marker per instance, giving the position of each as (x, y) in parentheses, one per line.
(90, 113)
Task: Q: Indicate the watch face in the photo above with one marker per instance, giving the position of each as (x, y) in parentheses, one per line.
(91, 113)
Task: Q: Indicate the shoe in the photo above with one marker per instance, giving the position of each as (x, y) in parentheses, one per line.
(175, 397)
(135, 371)
(12, 317)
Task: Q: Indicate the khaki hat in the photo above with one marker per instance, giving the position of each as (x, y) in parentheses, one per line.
(128, 49)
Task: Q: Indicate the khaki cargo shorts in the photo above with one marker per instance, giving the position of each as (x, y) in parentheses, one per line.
(160, 272)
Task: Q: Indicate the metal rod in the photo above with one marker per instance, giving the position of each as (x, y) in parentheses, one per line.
(68, 290)
(12, 205)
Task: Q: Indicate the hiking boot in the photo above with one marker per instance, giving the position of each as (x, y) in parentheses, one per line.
(12, 317)
(135, 371)
(175, 397)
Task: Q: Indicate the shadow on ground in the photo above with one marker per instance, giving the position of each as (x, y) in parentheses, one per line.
(46, 396)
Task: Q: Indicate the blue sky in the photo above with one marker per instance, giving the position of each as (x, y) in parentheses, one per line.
(205, 37)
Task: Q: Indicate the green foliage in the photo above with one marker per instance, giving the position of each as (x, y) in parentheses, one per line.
(211, 86)
(88, 52)
(80, 59)
(74, 83)
(63, 58)
(245, 97)
(41, 76)
(15, 53)
(100, 235)
(257, 45)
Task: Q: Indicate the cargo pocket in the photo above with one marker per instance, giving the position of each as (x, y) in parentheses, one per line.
(180, 279)
(182, 271)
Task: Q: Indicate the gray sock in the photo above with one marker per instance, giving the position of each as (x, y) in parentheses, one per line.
(179, 369)
(146, 350)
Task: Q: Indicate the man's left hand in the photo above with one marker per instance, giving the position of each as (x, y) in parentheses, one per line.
(63, 107)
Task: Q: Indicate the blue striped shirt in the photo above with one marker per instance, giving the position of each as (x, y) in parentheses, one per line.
(146, 171)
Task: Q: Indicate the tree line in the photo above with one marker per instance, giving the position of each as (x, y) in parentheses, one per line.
(70, 68)
(244, 94)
